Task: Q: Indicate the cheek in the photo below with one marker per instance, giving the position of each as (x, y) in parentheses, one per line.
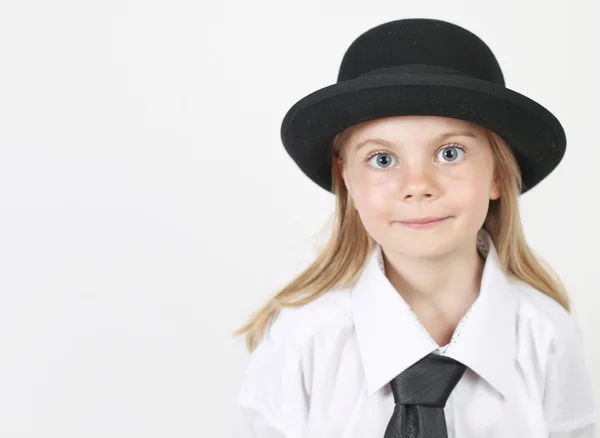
(473, 196)
(373, 202)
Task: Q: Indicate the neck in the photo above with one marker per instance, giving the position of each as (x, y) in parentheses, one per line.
(439, 291)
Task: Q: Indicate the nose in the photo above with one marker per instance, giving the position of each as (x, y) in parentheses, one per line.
(419, 183)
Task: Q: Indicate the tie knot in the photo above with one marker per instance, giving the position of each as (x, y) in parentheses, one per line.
(428, 382)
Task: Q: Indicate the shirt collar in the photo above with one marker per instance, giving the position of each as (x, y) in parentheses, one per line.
(391, 338)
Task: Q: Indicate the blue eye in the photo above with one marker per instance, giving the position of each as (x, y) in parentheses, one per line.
(451, 154)
(385, 161)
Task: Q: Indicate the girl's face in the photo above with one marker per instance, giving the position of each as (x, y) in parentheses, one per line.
(408, 168)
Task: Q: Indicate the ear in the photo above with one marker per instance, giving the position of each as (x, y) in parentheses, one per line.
(338, 163)
(495, 190)
(340, 166)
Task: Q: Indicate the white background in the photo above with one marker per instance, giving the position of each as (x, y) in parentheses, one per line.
(148, 206)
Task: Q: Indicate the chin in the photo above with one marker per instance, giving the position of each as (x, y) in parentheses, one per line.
(424, 251)
(422, 243)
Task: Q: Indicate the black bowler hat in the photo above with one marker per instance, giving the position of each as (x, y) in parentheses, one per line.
(421, 67)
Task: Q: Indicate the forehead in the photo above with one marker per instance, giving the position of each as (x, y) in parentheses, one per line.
(414, 128)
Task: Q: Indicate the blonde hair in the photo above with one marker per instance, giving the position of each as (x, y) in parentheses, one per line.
(344, 256)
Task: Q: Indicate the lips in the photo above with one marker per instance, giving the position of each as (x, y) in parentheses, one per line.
(424, 220)
(423, 223)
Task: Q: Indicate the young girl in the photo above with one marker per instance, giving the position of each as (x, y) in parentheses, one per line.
(426, 314)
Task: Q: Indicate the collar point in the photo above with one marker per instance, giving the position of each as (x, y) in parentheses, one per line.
(374, 385)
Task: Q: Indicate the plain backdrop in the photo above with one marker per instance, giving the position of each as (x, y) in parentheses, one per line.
(147, 206)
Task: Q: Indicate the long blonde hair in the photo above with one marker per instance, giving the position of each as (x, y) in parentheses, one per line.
(344, 256)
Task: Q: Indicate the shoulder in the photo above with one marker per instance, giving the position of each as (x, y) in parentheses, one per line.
(289, 341)
(568, 398)
(540, 311)
(286, 351)
(329, 313)
(277, 378)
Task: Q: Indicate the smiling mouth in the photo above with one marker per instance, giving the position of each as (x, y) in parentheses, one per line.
(424, 220)
(427, 222)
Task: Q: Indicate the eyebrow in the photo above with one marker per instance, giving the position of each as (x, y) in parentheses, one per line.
(440, 137)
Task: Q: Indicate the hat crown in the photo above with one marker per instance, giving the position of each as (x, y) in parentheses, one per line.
(420, 45)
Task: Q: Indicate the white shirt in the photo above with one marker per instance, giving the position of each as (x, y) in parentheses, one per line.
(323, 369)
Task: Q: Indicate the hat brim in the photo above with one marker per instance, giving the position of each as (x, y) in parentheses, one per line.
(535, 135)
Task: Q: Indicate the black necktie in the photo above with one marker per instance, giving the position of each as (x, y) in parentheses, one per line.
(420, 393)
